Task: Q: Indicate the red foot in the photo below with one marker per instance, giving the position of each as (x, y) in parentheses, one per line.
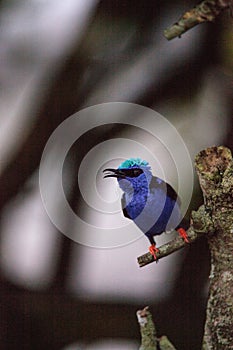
(153, 250)
(183, 234)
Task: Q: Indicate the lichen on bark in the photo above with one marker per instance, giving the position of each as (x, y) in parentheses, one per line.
(149, 339)
(205, 11)
(214, 220)
(215, 169)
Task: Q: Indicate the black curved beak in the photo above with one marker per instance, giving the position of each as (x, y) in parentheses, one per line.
(114, 173)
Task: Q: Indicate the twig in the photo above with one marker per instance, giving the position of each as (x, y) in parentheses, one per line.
(149, 339)
(200, 224)
(206, 11)
(167, 249)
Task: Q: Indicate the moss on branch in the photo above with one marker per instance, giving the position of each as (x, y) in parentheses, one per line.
(215, 169)
(149, 339)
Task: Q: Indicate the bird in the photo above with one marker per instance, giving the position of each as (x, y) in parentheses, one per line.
(150, 202)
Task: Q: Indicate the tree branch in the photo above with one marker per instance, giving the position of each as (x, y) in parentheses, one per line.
(201, 224)
(214, 219)
(168, 248)
(215, 172)
(150, 341)
(206, 11)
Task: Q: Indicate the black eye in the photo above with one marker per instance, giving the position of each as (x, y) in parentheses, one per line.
(133, 172)
(137, 172)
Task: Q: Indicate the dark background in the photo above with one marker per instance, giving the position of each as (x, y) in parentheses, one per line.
(113, 51)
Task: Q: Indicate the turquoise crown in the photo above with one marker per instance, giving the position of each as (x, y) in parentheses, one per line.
(133, 162)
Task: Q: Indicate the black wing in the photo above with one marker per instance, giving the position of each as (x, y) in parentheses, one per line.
(156, 182)
(123, 205)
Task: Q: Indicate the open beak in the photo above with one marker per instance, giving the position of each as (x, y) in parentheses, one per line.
(114, 173)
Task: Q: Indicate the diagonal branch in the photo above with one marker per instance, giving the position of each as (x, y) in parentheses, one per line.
(168, 248)
(201, 224)
(206, 11)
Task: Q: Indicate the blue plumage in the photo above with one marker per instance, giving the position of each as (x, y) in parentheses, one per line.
(149, 201)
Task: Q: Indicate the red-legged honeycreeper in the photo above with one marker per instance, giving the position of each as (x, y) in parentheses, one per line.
(150, 202)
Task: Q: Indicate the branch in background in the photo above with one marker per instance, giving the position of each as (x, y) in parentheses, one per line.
(206, 11)
(150, 341)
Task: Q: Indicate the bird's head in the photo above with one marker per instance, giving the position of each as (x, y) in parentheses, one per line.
(132, 174)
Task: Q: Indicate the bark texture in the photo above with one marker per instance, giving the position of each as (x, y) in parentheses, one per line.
(150, 341)
(215, 171)
(205, 11)
(214, 220)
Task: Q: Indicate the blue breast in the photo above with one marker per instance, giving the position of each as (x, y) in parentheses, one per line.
(153, 212)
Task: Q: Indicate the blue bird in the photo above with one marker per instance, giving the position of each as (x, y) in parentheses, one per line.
(150, 202)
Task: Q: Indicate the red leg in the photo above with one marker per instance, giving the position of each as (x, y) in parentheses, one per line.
(153, 250)
(183, 234)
